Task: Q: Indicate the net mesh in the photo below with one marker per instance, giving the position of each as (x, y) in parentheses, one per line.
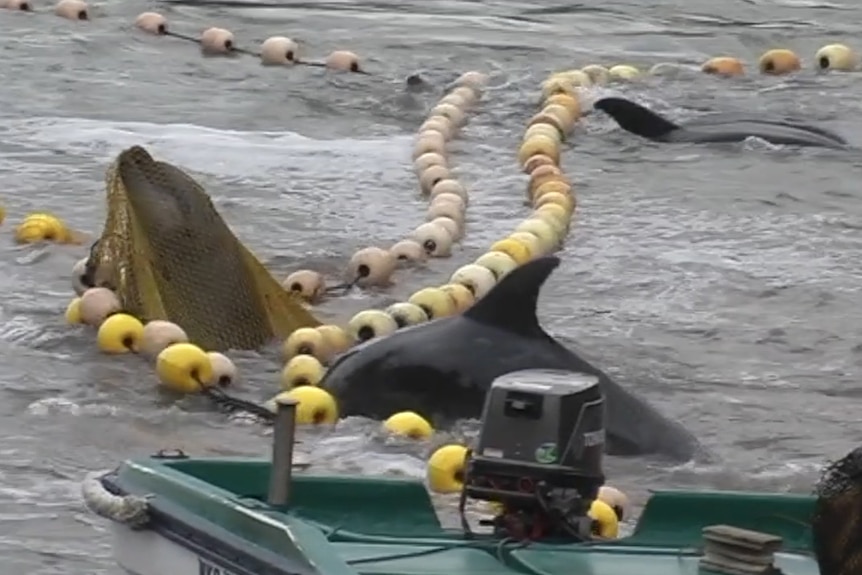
(837, 522)
(168, 254)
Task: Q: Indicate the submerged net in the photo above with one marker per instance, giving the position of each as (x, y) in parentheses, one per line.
(837, 522)
(168, 254)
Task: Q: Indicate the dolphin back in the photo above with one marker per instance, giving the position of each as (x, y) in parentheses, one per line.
(716, 128)
(738, 128)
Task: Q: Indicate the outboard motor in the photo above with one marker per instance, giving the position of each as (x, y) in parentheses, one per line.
(539, 454)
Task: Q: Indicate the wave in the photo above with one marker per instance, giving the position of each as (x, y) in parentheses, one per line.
(208, 150)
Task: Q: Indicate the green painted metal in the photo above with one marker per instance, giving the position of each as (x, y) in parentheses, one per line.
(381, 526)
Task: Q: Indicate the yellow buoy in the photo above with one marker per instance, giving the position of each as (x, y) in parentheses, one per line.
(120, 333)
(463, 296)
(435, 302)
(306, 341)
(445, 469)
(607, 525)
(183, 367)
(316, 405)
(533, 243)
(409, 424)
(73, 312)
(301, 370)
(514, 249)
(42, 228)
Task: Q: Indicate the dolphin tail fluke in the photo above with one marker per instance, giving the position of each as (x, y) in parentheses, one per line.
(636, 119)
(511, 304)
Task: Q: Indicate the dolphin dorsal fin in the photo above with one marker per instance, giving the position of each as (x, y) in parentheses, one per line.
(511, 304)
(636, 119)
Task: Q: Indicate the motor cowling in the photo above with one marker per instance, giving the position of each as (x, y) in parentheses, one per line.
(539, 452)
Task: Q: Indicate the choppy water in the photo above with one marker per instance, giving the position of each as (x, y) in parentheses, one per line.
(720, 281)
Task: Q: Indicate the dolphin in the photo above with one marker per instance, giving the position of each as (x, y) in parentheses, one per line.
(638, 120)
(442, 369)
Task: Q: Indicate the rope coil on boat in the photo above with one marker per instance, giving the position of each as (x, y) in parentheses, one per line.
(130, 510)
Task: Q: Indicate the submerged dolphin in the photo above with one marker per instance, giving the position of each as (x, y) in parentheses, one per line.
(443, 368)
(638, 120)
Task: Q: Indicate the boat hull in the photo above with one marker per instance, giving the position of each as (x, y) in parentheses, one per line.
(145, 552)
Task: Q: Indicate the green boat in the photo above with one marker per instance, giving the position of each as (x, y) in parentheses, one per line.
(176, 515)
(210, 517)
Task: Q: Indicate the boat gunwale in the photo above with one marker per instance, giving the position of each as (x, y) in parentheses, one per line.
(203, 541)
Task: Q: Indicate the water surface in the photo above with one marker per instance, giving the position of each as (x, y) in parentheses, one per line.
(719, 281)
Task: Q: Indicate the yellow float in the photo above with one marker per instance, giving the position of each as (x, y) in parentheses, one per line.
(408, 424)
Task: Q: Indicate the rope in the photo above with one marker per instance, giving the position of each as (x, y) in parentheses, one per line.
(229, 404)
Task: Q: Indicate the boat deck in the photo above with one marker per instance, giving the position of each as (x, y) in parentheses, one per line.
(378, 526)
(429, 560)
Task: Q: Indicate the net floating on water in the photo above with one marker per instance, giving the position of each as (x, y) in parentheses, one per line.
(168, 255)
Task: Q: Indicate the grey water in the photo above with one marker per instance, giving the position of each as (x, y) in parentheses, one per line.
(721, 282)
